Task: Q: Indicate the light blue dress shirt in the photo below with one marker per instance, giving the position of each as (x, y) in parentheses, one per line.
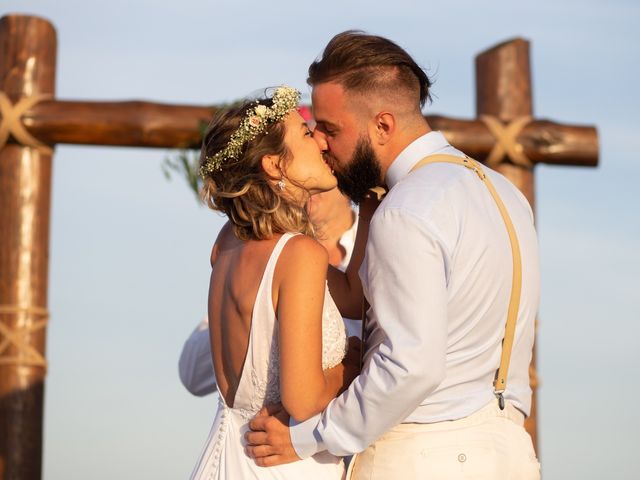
(437, 274)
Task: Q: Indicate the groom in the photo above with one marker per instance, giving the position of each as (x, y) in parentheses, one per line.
(437, 275)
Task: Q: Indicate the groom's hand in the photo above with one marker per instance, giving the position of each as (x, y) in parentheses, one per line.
(268, 441)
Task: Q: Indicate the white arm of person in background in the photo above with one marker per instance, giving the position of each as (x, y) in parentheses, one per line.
(195, 365)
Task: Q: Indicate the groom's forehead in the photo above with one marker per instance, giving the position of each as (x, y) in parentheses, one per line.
(329, 92)
(328, 100)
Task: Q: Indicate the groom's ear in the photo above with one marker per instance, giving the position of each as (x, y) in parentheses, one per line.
(271, 166)
(384, 127)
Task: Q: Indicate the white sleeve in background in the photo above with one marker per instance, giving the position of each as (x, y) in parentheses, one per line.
(195, 365)
(406, 284)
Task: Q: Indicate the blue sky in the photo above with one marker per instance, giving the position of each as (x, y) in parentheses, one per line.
(129, 250)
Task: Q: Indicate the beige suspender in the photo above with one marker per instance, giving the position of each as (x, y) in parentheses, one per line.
(500, 382)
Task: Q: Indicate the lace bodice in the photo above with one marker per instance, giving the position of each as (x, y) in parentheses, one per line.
(260, 381)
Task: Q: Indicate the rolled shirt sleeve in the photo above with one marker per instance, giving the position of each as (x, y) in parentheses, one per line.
(195, 366)
(405, 280)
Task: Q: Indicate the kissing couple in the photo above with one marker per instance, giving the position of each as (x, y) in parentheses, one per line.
(444, 267)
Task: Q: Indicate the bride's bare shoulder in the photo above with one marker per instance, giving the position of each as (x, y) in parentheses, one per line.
(303, 250)
(226, 239)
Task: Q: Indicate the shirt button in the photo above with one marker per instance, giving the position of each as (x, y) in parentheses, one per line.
(423, 452)
(462, 458)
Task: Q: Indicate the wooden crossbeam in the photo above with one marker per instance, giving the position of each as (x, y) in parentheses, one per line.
(147, 124)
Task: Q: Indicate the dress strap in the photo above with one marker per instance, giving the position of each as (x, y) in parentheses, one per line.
(256, 376)
(500, 382)
(264, 301)
(264, 315)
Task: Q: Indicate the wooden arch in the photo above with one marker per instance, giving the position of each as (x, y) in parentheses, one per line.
(33, 121)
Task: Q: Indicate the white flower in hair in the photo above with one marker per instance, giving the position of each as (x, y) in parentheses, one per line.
(255, 123)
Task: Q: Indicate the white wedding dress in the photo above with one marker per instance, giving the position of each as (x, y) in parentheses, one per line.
(223, 456)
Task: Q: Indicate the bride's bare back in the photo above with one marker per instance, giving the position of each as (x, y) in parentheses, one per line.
(237, 270)
(298, 294)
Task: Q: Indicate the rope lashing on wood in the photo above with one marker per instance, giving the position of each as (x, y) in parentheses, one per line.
(11, 121)
(506, 141)
(27, 355)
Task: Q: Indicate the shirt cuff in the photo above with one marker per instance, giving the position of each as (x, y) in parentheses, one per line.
(305, 438)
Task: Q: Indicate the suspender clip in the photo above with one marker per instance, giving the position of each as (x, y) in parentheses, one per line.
(500, 398)
(467, 162)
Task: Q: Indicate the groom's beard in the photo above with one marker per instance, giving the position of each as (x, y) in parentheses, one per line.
(362, 173)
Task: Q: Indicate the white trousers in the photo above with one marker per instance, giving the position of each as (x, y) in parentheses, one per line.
(491, 444)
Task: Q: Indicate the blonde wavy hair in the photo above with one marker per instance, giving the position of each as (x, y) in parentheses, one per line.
(241, 189)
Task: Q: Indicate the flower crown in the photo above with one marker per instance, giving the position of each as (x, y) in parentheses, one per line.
(255, 122)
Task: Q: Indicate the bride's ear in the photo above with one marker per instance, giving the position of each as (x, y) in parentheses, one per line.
(271, 166)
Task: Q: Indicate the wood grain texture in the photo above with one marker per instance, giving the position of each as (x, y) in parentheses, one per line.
(27, 67)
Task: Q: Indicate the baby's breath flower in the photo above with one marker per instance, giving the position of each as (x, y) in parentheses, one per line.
(255, 122)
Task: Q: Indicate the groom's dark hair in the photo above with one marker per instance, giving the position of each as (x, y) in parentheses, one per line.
(364, 63)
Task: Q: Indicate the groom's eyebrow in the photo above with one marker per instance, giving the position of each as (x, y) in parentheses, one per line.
(324, 124)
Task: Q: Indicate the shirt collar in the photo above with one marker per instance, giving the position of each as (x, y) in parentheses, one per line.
(421, 147)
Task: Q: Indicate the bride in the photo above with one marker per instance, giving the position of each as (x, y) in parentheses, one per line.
(276, 333)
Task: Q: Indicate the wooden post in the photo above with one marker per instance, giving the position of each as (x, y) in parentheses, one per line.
(503, 90)
(27, 68)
